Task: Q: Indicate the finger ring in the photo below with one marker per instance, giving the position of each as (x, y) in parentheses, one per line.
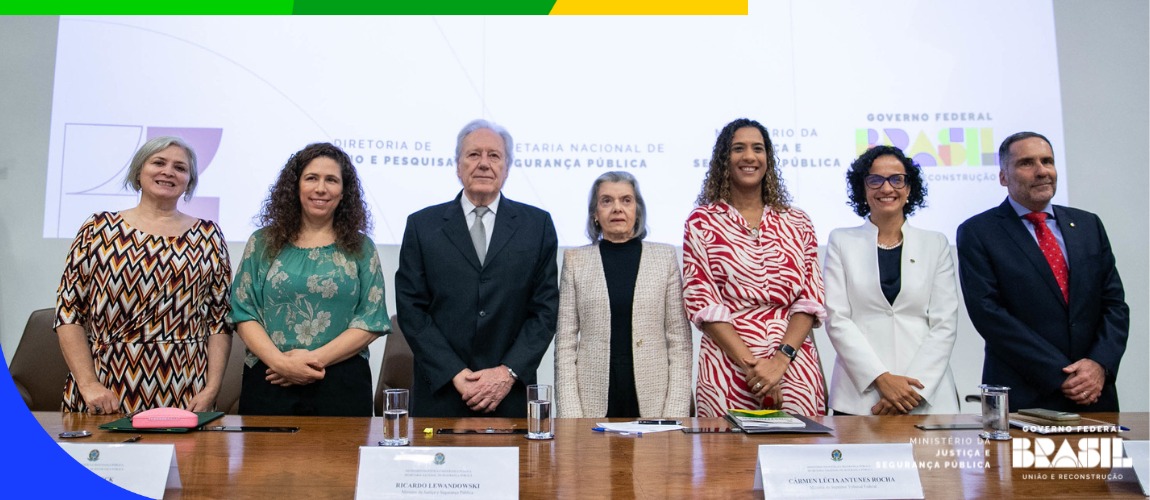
(757, 387)
(99, 410)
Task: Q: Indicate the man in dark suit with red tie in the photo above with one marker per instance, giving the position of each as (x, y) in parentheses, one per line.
(477, 292)
(1041, 287)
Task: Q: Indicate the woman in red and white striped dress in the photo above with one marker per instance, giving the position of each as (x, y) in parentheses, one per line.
(752, 283)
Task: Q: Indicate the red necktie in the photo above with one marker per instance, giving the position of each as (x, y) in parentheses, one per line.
(1050, 249)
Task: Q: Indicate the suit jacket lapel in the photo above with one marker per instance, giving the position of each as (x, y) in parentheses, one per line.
(1075, 249)
(910, 266)
(456, 231)
(1014, 228)
(506, 223)
(867, 246)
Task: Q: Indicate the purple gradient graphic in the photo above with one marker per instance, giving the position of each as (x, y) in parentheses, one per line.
(95, 158)
(924, 160)
(205, 141)
(898, 138)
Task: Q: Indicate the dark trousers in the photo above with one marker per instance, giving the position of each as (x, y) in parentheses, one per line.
(345, 391)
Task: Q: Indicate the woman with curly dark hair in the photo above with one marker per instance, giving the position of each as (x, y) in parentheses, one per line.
(752, 283)
(892, 298)
(308, 297)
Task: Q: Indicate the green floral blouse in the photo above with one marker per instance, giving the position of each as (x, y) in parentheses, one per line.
(306, 297)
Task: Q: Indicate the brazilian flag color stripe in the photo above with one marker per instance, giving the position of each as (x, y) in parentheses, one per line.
(379, 7)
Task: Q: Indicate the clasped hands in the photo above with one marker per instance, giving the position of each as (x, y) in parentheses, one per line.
(296, 367)
(897, 394)
(483, 390)
(1085, 381)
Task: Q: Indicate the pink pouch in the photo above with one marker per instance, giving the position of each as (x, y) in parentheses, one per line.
(164, 418)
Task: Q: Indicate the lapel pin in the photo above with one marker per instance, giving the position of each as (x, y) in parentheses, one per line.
(1071, 224)
(912, 261)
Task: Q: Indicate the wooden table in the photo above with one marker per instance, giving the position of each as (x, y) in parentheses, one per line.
(321, 460)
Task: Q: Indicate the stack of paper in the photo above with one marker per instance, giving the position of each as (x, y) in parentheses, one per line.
(751, 420)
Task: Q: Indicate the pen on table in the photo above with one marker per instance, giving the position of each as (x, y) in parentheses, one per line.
(658, 421)
(133, 439)
(616, 431)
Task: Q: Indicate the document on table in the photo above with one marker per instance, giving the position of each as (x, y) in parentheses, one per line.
(636, 428)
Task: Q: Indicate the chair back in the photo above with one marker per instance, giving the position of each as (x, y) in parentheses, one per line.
(228, 400)
(396, 370)
(38, 367)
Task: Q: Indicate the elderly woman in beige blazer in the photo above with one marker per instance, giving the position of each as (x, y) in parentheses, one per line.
(623, 345)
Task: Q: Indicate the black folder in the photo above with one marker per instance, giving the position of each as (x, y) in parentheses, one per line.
(811, 427)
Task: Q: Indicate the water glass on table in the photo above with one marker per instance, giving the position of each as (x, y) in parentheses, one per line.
(396, 431)
(539, 423)
(995, 412)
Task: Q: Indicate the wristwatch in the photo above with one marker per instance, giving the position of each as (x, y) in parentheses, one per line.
(788, 351)
(513, 374)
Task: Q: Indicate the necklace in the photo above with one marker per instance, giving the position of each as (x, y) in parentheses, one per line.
(891, 247)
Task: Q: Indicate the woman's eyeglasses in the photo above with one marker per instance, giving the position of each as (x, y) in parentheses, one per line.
(875, 181)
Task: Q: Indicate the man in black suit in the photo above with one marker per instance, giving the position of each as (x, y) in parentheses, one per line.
(476, 290)
(1041, 287)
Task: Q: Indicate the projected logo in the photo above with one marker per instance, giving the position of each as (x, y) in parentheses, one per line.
(1043, 453)
(96, 157)
(949, 147)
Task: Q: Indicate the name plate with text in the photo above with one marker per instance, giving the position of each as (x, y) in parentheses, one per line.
(144, 469)
(429, 472)
(838, 471)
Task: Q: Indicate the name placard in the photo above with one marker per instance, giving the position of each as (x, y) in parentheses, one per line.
(143, 469)
(1139, 454)
(838, 471)
(429, 472)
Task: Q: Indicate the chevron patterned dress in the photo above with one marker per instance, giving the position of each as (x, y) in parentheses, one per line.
(755, 280)
(148, 304)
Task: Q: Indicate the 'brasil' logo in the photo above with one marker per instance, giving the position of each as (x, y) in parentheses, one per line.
(952, 147)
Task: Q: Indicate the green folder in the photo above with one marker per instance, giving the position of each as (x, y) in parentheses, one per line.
(125, 424)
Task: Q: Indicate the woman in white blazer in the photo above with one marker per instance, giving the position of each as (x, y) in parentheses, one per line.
(623, 344)
(892, 298)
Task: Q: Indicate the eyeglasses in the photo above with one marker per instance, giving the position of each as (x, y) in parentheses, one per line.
(875, 181)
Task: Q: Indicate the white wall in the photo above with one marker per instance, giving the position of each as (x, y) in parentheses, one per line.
(1103, 58)
(1104, 62)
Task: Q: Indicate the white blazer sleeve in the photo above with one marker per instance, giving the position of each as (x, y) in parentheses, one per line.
(852, 348)
(932, 360)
